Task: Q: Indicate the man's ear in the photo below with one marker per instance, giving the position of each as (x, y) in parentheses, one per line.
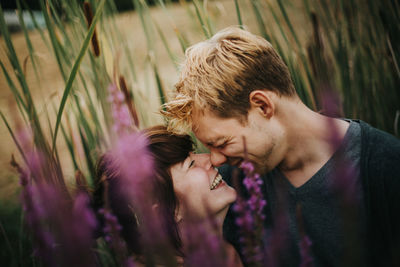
(262, 100)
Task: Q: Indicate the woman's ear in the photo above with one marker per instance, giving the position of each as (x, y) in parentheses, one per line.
(262, 100)
(178, 216)
(154, 207)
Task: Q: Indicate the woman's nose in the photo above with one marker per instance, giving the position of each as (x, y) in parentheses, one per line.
(203, 160)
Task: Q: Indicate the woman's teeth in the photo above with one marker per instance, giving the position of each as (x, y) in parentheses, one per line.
(216, 182)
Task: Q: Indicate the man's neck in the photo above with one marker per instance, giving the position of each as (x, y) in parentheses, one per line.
(312, 140)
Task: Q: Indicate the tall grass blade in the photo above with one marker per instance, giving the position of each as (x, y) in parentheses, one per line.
(210, 26)
(278, 22)
(88, 156)
(393, 56)
(289, 23)
(12, 56)
(36, 24)
(142, 9)
(200, 18)
(21, 151)
(27, 39)
(83, 121)
(89, 18)
(181, 39)
(260, 21)
(75, 68)
(91, 104)
(160, 86)
(7, 240)
(238, 14)
(18, 98)
(53, 38)
(171, 55)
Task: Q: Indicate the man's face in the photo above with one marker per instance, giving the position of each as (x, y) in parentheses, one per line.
(224, 138)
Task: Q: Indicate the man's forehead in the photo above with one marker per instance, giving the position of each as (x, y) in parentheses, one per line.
(202, 121)
(207, 134)
(208, 127)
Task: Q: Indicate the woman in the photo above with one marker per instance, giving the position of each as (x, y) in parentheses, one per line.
(187, 191)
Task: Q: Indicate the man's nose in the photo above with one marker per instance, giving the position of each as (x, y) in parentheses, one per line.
(217, 158)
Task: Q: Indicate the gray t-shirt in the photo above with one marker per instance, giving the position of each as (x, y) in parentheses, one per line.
(333, 193)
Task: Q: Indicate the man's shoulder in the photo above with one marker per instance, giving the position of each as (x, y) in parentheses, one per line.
(380, 156)
(380, 173)
(378, 143)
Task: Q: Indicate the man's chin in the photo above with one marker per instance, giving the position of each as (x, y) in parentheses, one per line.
(259, 168)
(235, 162)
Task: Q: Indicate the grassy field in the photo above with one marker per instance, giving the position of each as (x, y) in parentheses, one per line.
(49, 88)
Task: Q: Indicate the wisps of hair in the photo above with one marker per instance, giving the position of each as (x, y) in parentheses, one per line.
(219, 74)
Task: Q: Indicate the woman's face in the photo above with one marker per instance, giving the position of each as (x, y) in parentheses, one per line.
(200, 188)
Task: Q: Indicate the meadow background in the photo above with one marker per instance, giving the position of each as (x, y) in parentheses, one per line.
(54, 79)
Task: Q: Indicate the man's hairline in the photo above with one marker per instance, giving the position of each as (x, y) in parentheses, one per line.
(242, 118)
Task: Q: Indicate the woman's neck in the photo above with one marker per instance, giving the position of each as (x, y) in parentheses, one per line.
(207, 234)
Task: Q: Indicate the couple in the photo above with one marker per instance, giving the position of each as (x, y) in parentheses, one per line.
(235, 85)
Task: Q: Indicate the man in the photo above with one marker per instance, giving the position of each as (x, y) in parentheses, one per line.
(235, 85)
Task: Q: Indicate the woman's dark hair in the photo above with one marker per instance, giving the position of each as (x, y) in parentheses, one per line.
(167, 149)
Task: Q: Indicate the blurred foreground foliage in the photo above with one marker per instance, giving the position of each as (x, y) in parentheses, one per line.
(348, 48)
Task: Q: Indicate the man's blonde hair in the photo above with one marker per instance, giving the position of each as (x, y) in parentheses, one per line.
(219, 74)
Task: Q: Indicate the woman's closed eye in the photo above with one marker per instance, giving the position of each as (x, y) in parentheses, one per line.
(191, 164)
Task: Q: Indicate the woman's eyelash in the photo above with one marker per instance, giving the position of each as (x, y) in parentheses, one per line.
(191, 163)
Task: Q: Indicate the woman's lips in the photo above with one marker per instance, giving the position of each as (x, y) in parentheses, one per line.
(222, 183)
(216, 181)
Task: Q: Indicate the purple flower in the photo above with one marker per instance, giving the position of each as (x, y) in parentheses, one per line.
(250, 217)
(305, 241)
(247, 166)
(61, 228)
(253, 184)
(203, 244)
(305, 244)
(123, 123)
(135, 187)
(112, 234)
(129, 262)
(132, 158)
